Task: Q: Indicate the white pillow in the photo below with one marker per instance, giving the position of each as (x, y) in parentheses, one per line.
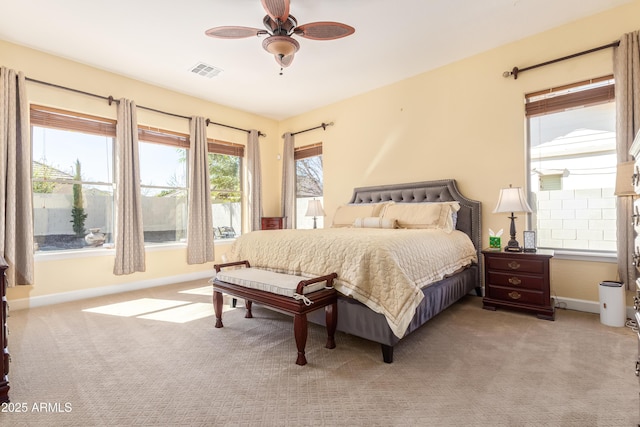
(375, 222)
(346, 214)
(423, 215)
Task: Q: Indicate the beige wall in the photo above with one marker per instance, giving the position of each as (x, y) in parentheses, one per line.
(462, 121)
(73, 274)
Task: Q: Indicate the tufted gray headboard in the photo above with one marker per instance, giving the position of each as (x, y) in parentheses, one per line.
(445, 190)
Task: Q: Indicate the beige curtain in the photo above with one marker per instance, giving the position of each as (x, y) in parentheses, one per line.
(200, 228)
(288, 182)
(626, 70)
(129, 233)
(16, 206)
(254, 180)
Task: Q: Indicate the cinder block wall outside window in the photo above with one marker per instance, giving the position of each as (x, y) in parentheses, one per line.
(576, 219)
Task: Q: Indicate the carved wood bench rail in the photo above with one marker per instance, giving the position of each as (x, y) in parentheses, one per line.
(291, 294)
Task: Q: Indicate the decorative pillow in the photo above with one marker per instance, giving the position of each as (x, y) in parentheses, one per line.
(375, 222)
(346, 214)
(423, 215)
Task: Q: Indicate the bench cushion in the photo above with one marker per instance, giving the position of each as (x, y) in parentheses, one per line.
(268, 281)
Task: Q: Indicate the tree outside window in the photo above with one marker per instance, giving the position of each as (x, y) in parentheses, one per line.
(309, 183)
(226, 195)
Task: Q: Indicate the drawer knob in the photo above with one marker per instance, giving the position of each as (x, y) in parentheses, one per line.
(514, 280)
(515, 295)
(514, 265)
(637, 368)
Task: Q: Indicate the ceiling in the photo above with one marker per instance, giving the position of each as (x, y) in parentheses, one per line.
(159, 42)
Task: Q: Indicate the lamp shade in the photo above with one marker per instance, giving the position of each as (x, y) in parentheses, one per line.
(624, 179)
(315, 208)
(512, 199)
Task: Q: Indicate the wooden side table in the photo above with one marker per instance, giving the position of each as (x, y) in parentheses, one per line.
(4, 333)
(272, 222)
(518, 280)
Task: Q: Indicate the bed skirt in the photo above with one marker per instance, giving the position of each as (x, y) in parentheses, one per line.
(357, 319)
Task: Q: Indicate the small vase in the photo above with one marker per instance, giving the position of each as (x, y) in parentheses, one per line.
(95, 237)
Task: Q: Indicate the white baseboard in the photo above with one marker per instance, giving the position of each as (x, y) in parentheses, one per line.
(39, 301)
(587, 306)
(42, 300)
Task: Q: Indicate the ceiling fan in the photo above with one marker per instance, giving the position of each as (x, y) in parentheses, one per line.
(280, 26)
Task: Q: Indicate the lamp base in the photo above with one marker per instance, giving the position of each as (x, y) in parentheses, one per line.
(513, 246)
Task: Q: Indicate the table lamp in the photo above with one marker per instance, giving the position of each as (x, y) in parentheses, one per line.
(512, 200)
(315, 210)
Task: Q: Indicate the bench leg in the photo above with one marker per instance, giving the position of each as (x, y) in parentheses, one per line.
(217, 307)
(248, 314)
(300, 332)
(331, 319)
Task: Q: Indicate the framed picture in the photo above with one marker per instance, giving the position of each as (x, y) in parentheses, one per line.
(529, 241)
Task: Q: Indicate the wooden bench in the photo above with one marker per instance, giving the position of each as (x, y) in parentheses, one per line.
(285, 292)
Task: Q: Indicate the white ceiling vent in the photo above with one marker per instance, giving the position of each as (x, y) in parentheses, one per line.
(205, 70)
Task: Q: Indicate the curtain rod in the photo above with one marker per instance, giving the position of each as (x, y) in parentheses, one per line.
(111, 100)
(322, 125)
(515, 71)
(233, 127)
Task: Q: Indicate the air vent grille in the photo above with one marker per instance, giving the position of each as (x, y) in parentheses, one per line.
(205, 70)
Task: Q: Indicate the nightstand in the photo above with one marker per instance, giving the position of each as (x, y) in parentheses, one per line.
(518, 280)
(272, 222)
(4, 332)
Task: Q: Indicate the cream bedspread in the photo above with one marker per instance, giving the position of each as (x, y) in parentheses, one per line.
(384, 269)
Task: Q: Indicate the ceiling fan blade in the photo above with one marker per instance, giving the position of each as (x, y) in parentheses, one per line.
(277, 9)
(233, 32)
(284, 61)
(324, 30)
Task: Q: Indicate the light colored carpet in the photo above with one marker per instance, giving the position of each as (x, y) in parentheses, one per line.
(160, 361)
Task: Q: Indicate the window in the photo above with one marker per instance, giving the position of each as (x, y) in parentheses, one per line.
(72, 179)
(572, 159)
(73, 187)
(225, 166)
(163, 184)
(309, 184)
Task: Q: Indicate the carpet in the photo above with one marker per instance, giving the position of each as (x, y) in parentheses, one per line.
(152, 357)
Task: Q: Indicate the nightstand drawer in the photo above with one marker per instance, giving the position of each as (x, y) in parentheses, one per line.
(520, 265)
(271, 226)
(272, 222)
(519, 296)
(515, 280)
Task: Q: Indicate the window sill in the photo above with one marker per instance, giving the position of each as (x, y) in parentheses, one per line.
(595, 256)
(111, 251)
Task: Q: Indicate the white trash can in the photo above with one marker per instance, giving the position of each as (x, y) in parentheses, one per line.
(612, 304)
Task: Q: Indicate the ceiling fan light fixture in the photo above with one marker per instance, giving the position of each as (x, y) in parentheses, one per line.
(280, 26)
(280, 45)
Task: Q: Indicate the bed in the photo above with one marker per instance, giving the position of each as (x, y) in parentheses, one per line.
(388, 279)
